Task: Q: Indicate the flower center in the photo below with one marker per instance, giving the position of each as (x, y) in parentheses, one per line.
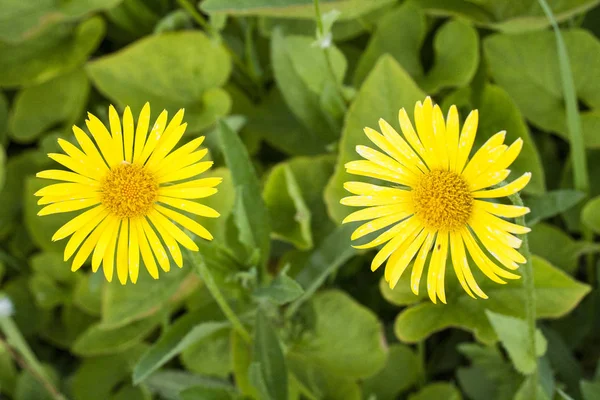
(442, 200)
(129, 191)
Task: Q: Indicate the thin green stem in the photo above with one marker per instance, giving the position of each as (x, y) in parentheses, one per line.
(214, 290)
(199, 18)
(422, 357)
(529, 290)
(318, 17)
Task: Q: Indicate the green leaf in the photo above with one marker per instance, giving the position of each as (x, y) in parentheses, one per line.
(29, 386)
(506, 15)
(436, 391)
(170, 383)
(559, 248)
(204, 393)
(23, 20)
(590, 390)
(269, 362)
(349, 9)
(122, 305)
(590, 215)
(60, 100)
(153, 66)
(87, 294)
(98, 340)
(133, 19)
(53, 266)
(399, 373)
(210, 356)
(456, 47)
(556, 294)
(514, 335)
(369, 105)
(515, 61)
(359, 352)
(223, 201)
(257, 230)
(526, 391)
(241, 359)
(56, 50)
(46, 292)
(8, 371)
(302, 72)
(551, 203)
(281, 290)
(182, 334)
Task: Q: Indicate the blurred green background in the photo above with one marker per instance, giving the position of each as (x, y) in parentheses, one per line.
(282, 95)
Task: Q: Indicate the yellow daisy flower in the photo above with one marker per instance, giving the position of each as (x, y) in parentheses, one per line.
(126, 183)
(437, 203)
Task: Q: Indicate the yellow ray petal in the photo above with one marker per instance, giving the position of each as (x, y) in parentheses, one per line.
(133, 253)
(197, 183)
(509, 155)
(440, 140)
(141, 132)
(112, 227)
(108, 261)
(488, 179)
(384, 161)
(181, 153)
(423, 122)
(69, 197)
(87, 247)
(370, 169)
(501, 210)
(482, 158)
(168, 141)
(419, 264)
(461, 267)
(76, 165)
(157, 130)
(180, 163)
(59, 189)
(67, 206)
(375, 212)
(368, 189)
(391, 143)
(167, 226)
(403, 256)
(190, 206)
(465, 142)
(440, 269)
(169, 242)
(187, 193)
(127, 143)
(487, 266)
(410, 134)
(185, 173)
(117, 135)
(82, 233)
(505, 190)
(103, 140)
(98, 167)
(185, 221)
(377, 200)
(123, 251)
(77, 223)
(147, 256)
(500, 223)
(156, 245)
(67, 176)
(391, 246)
(452, 128)
(88, 147)
(432, 270)
(409, 224)
(379, 223)
(493, 233)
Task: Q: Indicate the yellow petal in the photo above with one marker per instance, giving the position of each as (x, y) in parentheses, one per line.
(127, 142)
(461, 267)
(509, 155)
(187, 193)
(439, 138)
(185, 173)
(185, 221)
(169, 139)
(190, 206)
(403, 256)
(368, 189)
(384, 161)
(423, 122)
(134, 253)
(376, 200)
(487, 266)
(108, 261)
(440, 271)
(181, 153)
(103, 140)
(157, 130)
(123, 251)
(169, 241)
(87, 247)
(410, 134)
(59, 189)
(374, 212)
(465, 142)
(147, 256)
(173, 166)
(59, 175)
(409, 224)
(77, 223)
(111, 229)
(501, 210)
(391, 143)
(76, 165)
(69, 197)
(379, 223)
(372, 170)
(82, 232)
(117, 135)
(419, 264)
(488, 179)
(89, 147)
(505, 190)
(98, 167)
(391, 246)
(167, 226)
(198, 183)
(452, 128)
(156, 245)
(67, 206)
(140, 133)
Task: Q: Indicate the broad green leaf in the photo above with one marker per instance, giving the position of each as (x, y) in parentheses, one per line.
(98, 340)
(552, 203)
(350, 9)
(590, 214)
(456, 57)
(222, 201)
(359, 352)
(122, 305)
(27, 315)
(128, 392)
(436, 391)
(319, 382)
(241, 358)
(170, 383)
(66, 325)
(526, 66)
(498, 112)
(590, 390)
(527, 391)
(97, 377)
(400, 373)
(53, 266)
(46, 292)
(556, 294)
(210, 356)
(257, 231)
(182, 334)
(368, 106)
(513, 333)
(22, 20)
(204, 393)
(559, 248)
(8, 371)
(29, 386)
(268, 357)
(56, 50)
(302, 72)
(281, 290)
(407, 25)
(88, 294)
(60, 100)
(506, 15)
(153, 66)
(42, 228)
(133, 19)
(563, 360)
(490, 376)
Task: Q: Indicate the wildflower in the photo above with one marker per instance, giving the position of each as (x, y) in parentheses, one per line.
(438, 202)
(126, 183)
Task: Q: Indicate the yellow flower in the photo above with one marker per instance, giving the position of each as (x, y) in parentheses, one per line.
(437, 203)
(127, 187)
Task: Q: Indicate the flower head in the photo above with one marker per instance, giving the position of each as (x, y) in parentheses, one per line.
(126, 183)
(437, 201)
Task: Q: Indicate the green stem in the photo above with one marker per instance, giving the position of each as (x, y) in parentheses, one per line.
(213, 288)
(422, 357)
(318, 16)
(199, 18)
(22, 354)
(529, 290)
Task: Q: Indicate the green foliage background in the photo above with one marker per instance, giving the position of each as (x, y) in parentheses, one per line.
(280, 306)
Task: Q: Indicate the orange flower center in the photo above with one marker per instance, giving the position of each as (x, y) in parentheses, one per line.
(129, 191)
(442, 200)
